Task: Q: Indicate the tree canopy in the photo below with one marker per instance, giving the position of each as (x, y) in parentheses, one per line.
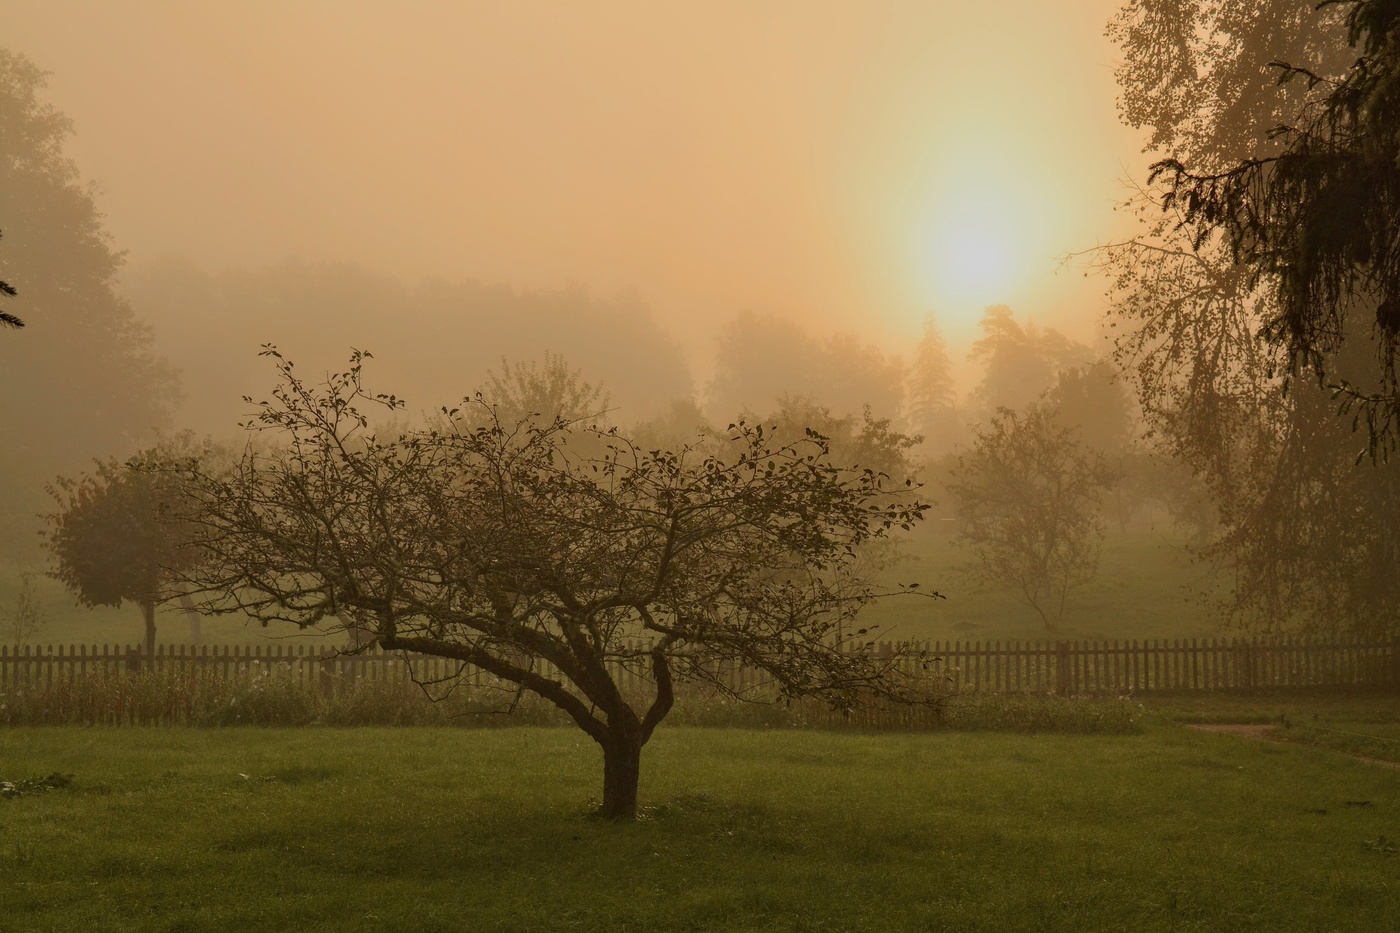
(84, 355)
(1028, 492)
(548, 393)
(1021, 362)
(1311, 214)
(1251, 271)
(553, 556)
(762, 358)
(117, 535)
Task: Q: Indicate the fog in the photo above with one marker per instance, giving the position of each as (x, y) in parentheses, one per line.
(611, 181)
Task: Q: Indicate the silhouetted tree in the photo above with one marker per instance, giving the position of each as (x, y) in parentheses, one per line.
(762, 358)
(546, 393)
(498, 544)
(1028, 494)
(1021, 362)
(1312, 216)
(864, 442)
(116, 535)
(930, 401)
(92, 382)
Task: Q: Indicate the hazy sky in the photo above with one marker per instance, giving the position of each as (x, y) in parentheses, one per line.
(854, 164)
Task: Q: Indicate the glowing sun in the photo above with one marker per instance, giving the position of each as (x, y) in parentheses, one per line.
(976, 238)
(972, 262)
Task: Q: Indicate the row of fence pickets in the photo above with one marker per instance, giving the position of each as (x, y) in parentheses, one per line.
(1067, 668)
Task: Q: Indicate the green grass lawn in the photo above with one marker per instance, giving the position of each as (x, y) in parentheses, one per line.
(1356, 723)
(1147, 587)
(458, 829)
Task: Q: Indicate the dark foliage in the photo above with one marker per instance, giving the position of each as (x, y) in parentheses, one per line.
(7, 319)
(116, 535)
(552, 556)
(1317, 222)
(1270, 262)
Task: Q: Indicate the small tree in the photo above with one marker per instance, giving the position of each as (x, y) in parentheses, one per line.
(115, 537)
(543, 393)
(27, 616)
(1027, 495)
(930, 397)
(509, 547)
(1021, 362)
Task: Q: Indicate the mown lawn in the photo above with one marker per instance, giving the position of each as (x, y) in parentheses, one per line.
(1147, 587)
(458, 829)
(1364, 723)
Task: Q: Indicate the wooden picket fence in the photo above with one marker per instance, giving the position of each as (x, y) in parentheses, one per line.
(1119, 668)
(1064, 668)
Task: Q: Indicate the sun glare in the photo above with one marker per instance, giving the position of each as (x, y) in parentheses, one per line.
(976, 239)
(973, 251)
(972, 262)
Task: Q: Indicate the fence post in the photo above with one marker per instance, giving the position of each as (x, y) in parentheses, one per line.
(1062, 684)
(133, 659)
(328, 665)
(1243, 671)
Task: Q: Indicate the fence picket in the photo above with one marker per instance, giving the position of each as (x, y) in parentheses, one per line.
(1063, 667)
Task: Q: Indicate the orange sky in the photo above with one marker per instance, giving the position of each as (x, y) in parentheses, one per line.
(849, 164)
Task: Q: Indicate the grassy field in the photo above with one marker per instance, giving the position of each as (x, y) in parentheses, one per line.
(1147, 587)
(456, 829)
(1353, 723)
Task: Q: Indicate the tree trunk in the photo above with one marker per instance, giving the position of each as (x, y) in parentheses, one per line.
(622, 767)
(148, 609)
(193, 617)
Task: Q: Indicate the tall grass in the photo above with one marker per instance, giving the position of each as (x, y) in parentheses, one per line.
(254, 695)
(1044, 713)
(282, 695)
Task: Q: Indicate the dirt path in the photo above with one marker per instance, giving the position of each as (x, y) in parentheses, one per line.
(1267, 733)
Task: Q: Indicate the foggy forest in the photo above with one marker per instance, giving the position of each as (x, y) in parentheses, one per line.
(617, 465)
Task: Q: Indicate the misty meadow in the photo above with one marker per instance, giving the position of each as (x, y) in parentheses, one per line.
(621, 466)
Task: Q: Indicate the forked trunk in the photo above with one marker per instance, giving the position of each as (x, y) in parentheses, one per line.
(622, 765)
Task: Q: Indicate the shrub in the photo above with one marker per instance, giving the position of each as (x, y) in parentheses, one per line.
(262, 696)
(1003, 712)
